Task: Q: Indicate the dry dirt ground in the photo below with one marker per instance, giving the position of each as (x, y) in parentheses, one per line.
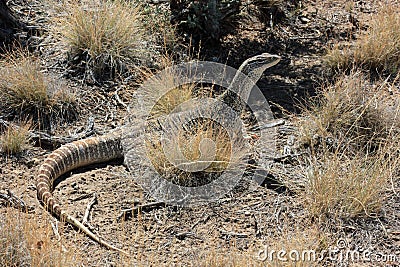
(247, 219)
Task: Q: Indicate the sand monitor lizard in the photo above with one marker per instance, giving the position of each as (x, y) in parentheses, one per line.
(107, 147)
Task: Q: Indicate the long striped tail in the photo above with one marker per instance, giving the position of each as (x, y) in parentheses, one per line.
(70, 156)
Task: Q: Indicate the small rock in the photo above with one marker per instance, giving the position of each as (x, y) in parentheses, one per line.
(304, 20)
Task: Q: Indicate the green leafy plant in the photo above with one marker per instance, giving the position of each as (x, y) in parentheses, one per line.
(204, 19)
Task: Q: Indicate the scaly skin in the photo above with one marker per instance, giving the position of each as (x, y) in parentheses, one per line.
(107, 147)
(70, 156)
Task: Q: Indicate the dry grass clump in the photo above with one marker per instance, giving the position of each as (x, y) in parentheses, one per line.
(376, 49)
(170, 101)
(352, 114)
(25, 92)
(163, 92)
(104, 37)
(13, 245)
(24, 243)
(341, 187)
(196, 154)
(15, 140)
(351, 131)
(204, 144)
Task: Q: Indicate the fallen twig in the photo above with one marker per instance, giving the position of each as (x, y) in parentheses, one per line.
(54, 226)
(55, 141)
(183, 235)
(82, 197)
(233, 234)
(287, 158)
(119, 99)
(88, 208)
(271, 124)
(139, 208)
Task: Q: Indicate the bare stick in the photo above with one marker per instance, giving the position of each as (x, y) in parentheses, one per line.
(48, 140)
(139, 208)
(88, 208)
(54, 226)
(119, 99)
(233, 234)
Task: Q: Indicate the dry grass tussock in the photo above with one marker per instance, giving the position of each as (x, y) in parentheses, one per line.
(202, 145)
(352, 135)
(206, 146)
(352, 114)
(342, 187)
(15, 140)
(165, 92)
(26, 93)
(104, 37)
(376, 49)
(24, 243)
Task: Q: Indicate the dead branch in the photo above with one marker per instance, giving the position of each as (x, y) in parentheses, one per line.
(45, 139)
(127, 213)
(228, 235)
(88, 208)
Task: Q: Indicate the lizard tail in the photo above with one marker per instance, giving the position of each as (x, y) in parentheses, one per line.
(70, 156)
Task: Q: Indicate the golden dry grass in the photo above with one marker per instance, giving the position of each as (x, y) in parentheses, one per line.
(104, 36)
(352, 132)
(24, 243)
(352, 113)
(192, 145)
(376, 49)
(26, 93)
(15, 140)
(342, 187)
(170, 101)
(164, 92)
